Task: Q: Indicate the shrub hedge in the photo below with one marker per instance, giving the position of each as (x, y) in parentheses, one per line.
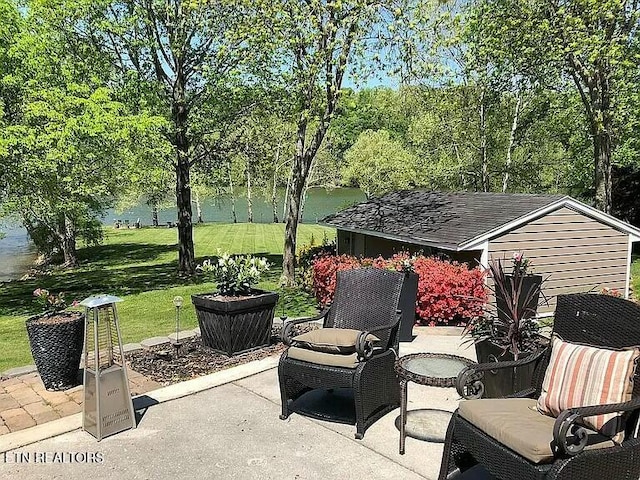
(448, 292)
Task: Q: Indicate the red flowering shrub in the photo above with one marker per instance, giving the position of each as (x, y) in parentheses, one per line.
(447, 291)
(399, 261)
(324, 274)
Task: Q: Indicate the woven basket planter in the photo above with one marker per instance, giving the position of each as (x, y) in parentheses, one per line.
(233, 325)
(56, 346)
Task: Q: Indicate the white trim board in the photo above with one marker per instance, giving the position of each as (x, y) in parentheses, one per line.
(628, 280)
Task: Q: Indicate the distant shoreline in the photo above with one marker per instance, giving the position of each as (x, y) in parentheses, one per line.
(320, 203)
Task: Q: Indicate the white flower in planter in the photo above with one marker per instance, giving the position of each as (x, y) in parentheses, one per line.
(235, 276)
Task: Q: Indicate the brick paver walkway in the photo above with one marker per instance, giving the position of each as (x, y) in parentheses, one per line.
(24, 402)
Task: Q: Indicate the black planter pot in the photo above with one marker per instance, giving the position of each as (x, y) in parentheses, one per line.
(56, 346)
(407, 303)
(232, 325)
(505, 381)
(530, 283)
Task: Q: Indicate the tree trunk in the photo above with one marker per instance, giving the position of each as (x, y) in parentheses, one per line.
(595, 94)
(274, 190)
(292, 221)
(602, 160)
(304, 154)
(274, 201)
(483, 141)
(512, 141)
(303, 201)
(602, 141)
(285, 206)
(233, 197)
(198, 207)
(154, 214)
(186, 255)
(69, 243)
(249, 201)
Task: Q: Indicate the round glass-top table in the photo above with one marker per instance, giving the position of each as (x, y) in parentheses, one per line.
(432, 369)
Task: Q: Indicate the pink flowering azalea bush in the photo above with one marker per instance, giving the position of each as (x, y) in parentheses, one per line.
(448, 292)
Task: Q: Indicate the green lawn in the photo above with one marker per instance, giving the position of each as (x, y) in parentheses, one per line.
(635, 277)
(140, 267)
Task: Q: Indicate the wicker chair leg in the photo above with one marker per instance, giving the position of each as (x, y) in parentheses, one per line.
(284, 398)
(454, 457)
(285, 403)
(285, 409)
(445, 465)
(376, 392)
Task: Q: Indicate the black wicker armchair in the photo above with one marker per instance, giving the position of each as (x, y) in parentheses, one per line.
(365, 303)
(570, 451)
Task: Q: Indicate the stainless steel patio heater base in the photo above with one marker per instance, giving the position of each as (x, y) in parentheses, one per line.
(108, 408)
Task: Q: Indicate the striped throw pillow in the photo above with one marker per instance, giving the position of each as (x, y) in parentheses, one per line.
(579, 376)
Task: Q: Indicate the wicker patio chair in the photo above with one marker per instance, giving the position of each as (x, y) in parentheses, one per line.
(573, 451)
(365, 303)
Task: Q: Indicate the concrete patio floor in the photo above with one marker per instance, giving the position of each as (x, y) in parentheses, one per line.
(233, 432)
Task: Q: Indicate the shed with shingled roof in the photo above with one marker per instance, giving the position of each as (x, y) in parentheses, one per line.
(576, 246)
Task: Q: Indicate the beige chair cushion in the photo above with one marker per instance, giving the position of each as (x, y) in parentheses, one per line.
(323, 358)
(331, 340)
(517, 424)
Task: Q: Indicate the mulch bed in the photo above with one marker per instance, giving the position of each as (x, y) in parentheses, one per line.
(194, 359)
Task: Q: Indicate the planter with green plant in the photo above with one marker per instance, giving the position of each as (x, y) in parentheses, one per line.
(237, 318)
(510, 331)
(56, 339)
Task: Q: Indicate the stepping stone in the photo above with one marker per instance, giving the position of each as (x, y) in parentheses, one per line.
(154, 342)
(131, 347)
(17, 419)
(182, 335)
(54, 398)
(15, 372)
(39, 408)
(25, 396)
(68, 408)
(7, 402)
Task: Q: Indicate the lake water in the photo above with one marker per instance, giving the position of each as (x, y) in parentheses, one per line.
(319, 204)
(17, 253)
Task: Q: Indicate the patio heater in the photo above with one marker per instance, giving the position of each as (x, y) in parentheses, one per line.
(107, 408)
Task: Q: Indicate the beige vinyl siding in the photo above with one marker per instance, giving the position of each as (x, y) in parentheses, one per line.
(574, 252)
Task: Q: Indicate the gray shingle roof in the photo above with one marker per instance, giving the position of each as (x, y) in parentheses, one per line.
(438, 219)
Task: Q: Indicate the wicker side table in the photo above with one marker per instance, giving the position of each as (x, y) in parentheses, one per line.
(431, 369)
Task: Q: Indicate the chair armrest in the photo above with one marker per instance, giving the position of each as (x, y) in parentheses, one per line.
(364, 347)
(390, 326)
(469, 382)
(571, 421)
(286, 334)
